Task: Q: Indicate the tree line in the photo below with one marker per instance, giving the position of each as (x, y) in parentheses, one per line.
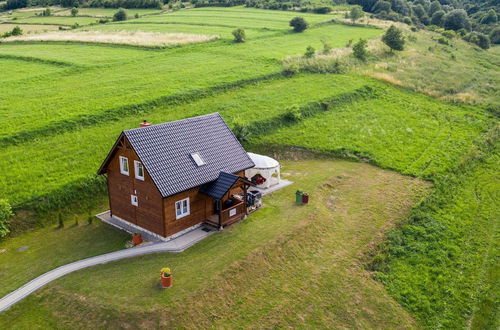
(15, 4)
(478, 17)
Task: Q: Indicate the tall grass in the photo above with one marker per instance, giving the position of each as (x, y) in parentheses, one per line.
(441, 264)
(150, 39)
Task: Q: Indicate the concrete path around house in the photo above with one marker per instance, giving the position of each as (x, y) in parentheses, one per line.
(178, 244)
(266, 191)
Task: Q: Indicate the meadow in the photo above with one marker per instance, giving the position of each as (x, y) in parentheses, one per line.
(319, 242)
(81, 96)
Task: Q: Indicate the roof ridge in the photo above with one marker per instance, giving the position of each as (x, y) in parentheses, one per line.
(214, 114)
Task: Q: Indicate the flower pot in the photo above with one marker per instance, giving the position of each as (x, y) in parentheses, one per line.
(137, 239)
(166, 281)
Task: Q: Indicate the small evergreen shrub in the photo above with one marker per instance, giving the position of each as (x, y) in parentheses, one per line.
(299, 24)
(356, 13)
(120, 15)
(310, 51)
(359, 50)
(327, 47)
(239, 35)
(394, 38)
(16, 31)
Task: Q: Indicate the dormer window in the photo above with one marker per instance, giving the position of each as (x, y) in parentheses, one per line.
(139, 170)
(124, 165)
(197, 159)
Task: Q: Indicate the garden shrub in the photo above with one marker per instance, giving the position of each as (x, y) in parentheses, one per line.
(5, 214)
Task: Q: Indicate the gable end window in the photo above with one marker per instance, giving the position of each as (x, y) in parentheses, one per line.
(124, 165)
(139, 170)
(182, 208)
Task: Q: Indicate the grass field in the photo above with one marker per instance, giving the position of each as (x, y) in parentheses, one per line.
(28, 29)
(82, 95)
(451, 74)
(145, 39)
(107, 12)
(58, 20)
(316, 243)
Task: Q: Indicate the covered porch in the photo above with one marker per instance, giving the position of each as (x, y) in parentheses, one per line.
(229, 194)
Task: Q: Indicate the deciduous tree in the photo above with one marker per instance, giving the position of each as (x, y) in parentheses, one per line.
(394, 38)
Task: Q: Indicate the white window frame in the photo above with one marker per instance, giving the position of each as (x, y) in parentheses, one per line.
(136, 170)
(182, 214)
(122, 169)
(134, 200)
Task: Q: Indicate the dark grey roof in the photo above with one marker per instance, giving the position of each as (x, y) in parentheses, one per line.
(165, 150)
(218, 188)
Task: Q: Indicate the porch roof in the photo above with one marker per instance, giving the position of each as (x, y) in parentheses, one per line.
(218, 188)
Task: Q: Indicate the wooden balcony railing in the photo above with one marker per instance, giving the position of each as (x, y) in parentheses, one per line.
(233, 213)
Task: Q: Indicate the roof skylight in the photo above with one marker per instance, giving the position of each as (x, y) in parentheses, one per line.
(197, 159)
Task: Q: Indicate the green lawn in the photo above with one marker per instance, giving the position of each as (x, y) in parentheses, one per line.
(50, 247)
(273, 254)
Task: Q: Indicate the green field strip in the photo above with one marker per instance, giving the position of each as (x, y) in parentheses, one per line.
(197, 24)
(121, 112)
(225, 32)
(58, 20)
(268, 126)
(79, 152)
(40, 60)
(392, 130)
(181, 70)
(160, 73)
(442, 255)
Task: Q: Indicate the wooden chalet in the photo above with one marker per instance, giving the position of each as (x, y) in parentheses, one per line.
(169, 177)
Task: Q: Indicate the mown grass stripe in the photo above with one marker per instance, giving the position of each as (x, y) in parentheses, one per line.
(40, 60)
(309, 110)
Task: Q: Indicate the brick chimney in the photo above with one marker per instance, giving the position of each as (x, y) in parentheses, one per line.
(144, 124)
